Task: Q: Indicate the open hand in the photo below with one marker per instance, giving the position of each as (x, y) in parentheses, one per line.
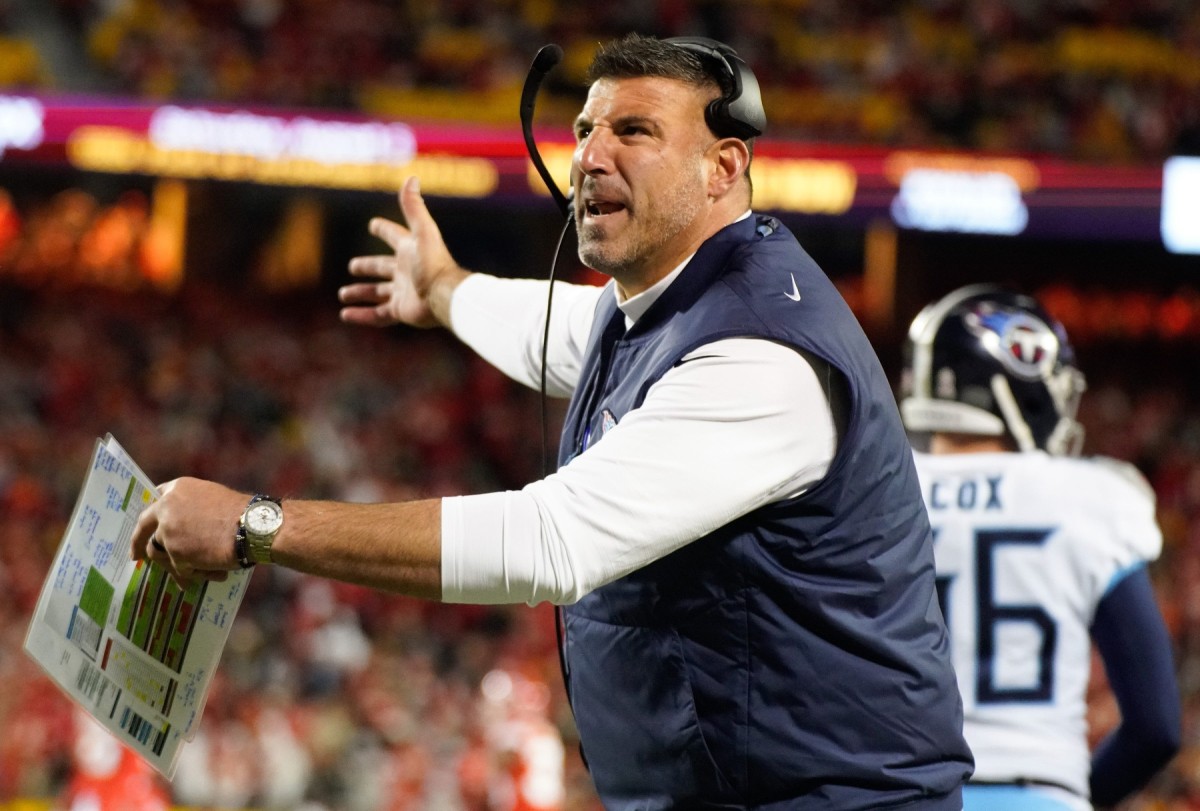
(412, 285)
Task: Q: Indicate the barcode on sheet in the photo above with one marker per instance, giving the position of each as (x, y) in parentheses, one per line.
(94, 685)
(144, 732)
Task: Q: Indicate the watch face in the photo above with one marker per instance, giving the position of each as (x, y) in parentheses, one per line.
(264, 518)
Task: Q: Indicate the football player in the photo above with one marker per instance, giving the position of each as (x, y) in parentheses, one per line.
(1039, 554)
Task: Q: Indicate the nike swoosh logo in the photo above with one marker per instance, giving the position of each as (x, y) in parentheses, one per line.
(795, 294)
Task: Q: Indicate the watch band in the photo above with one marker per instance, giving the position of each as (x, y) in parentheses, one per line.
(244, 549)
(239, 546)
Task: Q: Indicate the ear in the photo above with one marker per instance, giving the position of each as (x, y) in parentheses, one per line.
(730, 157)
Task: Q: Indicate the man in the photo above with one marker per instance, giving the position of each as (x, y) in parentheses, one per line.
(1035, 549)
(735, 528)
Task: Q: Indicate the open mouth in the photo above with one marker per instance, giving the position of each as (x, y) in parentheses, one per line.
(601, 208)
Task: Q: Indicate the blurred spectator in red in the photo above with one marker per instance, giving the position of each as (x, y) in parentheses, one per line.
(106, 776)
(525, 750)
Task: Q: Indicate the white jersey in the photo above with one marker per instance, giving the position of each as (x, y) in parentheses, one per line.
(1027, 545)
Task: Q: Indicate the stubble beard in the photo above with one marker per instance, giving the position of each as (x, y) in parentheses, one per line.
(645, 232)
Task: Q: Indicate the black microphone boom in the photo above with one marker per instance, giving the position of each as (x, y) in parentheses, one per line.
(549, 56)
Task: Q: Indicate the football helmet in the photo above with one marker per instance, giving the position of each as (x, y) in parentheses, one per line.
(983, 360)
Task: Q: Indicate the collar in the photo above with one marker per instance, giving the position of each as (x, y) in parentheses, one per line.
(635, 307)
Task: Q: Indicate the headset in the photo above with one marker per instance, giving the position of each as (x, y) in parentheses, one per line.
(738, 113)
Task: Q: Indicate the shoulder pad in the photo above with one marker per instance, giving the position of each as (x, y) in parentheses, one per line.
(1128, 473)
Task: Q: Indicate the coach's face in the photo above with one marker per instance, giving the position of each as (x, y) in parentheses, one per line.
(641, 170)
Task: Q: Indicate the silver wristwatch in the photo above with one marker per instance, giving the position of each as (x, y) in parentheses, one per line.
(257, 528)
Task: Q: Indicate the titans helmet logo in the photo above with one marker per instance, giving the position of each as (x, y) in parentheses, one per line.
(1025, 346)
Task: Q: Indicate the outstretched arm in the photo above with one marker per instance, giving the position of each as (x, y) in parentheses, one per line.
(1136, 649)
(647, 489)
(390, 546)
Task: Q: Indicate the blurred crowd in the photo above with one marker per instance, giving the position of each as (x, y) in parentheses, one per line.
(73, 239)
(329, 696)
(1102, 80)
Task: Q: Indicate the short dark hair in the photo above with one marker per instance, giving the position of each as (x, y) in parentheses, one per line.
(636, 55)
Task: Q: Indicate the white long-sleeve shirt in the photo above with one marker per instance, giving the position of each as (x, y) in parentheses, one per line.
(741, 423)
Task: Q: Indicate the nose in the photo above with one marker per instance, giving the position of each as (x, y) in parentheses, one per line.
(593, 154)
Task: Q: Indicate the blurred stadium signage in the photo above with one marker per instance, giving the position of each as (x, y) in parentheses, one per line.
(963, 193)
(276, 150)
(802, 185)
(271, 137)
(20, 123)
(969, 202)
(1181, 205)
(925, 190)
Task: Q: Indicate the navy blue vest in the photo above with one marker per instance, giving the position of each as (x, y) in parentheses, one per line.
(795, 658)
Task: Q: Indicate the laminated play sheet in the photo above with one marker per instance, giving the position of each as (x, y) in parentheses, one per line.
(124, 639)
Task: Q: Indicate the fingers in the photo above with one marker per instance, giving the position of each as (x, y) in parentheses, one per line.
(141, 546)
(188, 579)
(186, 531)
(424, 229)
(393, 233)
(373, 267)
(366, 304)
(412, 204)
(405, 283)
(421, 224)
(143, 531)
(366, 316)
(368, 293)
(156, 552)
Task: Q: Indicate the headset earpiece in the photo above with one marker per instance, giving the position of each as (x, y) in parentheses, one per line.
(738, 113)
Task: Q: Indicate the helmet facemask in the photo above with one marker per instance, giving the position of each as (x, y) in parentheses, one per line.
(988, 362)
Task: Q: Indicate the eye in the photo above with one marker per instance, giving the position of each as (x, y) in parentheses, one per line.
(582, 131)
